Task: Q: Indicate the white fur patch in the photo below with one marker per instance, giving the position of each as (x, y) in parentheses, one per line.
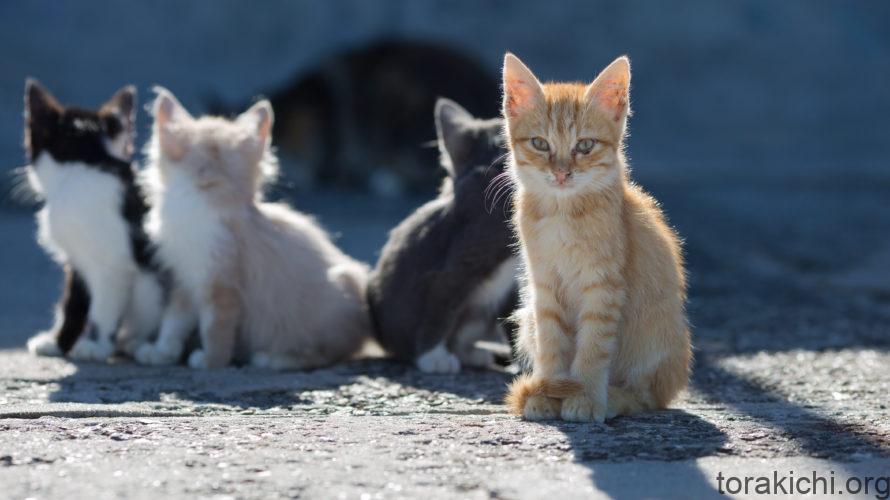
(81, 220)
(176, 326)
(44, 344)
(492, 292)
(438, 360)
(187, 231)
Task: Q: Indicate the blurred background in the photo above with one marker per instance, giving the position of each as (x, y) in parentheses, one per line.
(763, 126)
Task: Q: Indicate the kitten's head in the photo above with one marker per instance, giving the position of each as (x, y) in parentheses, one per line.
(466, 142)
(566, 138)
(230, 160)
(70, 134)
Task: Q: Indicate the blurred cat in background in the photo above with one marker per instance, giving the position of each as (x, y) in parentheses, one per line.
(603, 326)
(361, 119)
(447, 271)
(92, 224)
(262, 282)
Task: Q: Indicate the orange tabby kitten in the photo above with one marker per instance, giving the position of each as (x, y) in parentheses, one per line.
(603, 324)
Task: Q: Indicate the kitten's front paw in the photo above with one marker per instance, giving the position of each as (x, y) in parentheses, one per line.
(541, 408)
(438, 360)
(44, 344)
(197, 360)
(156, 354)
(91, 350)
(582, 408)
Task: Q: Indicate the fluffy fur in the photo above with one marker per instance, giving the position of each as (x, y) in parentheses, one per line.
(91, 223)
(447, 270)
(262, 282)
(603, 325)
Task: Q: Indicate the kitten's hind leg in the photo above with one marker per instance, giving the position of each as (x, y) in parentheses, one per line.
(219, 320)
(71, 317)
(471, 331)
(180, 318)
(110, 299)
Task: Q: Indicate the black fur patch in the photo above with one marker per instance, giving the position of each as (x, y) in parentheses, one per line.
(74, 306)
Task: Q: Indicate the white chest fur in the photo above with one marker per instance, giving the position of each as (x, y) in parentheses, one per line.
(492, 292)
(188, 232)
(81, 221)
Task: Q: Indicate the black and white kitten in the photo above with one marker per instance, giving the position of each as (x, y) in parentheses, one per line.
(92, 224)
(447, 270)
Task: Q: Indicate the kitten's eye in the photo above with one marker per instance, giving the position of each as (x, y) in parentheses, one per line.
(540, 144)
(585, 146)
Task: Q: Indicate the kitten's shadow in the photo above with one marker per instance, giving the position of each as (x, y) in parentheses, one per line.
(648, 440)
(350, 385)
(652, 438)
(173, 388)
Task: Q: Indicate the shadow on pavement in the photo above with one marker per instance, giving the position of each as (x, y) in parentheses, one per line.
(233, 387)
(665, 436)
(794, 424)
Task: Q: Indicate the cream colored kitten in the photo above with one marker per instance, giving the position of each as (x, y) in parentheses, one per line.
(262, 282)
(603, 324)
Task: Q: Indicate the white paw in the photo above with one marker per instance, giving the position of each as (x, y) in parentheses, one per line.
(438, 360)
(91, 350)
(197, 361)
(156, 354)
(44, 344)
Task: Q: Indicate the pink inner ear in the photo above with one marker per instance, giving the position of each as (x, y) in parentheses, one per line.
(520, 96)
(171, 145)
(265, 129)
(612, 95)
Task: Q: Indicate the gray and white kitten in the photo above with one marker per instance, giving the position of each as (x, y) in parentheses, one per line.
(92, 224)
(448, 269)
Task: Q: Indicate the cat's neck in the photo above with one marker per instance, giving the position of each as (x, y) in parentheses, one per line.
(604, 205)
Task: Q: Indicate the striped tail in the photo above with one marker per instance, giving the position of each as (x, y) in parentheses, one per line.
(525, 386)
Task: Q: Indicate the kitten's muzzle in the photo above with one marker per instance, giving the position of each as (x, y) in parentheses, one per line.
(561, 177)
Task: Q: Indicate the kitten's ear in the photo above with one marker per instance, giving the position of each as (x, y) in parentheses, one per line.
(39, 103)
(451, 124)
(119, 119)
(611, 89)
(169, 116)
(167, 108)
(122, 104)
(522, 90)
(259, 118)
(40, 108)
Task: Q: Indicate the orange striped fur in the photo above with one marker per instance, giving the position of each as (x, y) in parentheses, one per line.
(603, 325)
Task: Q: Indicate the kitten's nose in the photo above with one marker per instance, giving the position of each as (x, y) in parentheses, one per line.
(562, 175)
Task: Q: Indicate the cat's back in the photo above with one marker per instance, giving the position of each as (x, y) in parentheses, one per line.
(292, 235)
(655, 260)
(294, 280)
(420, 236)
